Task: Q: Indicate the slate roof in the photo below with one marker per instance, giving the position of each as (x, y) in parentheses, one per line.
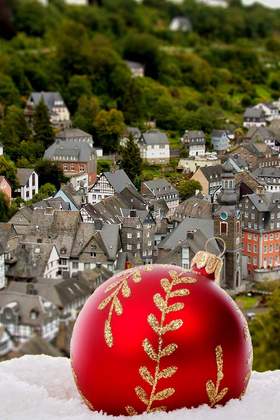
(134, 131)
(49, 99)
(56, 203)
(160, 187)
(218, 133)
(259, 132)
(69, 150)
(37, 345)
(153, 137)
(188, 224)
(23, 175)
(267, 172)
(266, 201)
(196, 206)
(254, 113)
(6, 232)
(118, 180)
(248, 179)
(72, 133)
(210, 172)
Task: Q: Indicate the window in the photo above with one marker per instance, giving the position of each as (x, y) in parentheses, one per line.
(138, 234)
(249, 247)
(249, 235)
(255, 248)
(33, 179)
(238, 227)
(75, 264)
(129, 235)
(138, 246)
(27, 194)
(223, 228)
(129, 247)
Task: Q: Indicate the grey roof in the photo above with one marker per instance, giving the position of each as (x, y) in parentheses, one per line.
(211, 171)
(118, 180)
(238, 162)
(7, 231)
(69, 150)
(55, 203)
(187, 225)
(110, 237)
(253, 113)
(23, 175)
(134, 131)
(72, 133)
(37, 345)
(193, 134)
(196, 206)
(49, 99)
(267, 172)
(160, 187)
(153, 137)
(265, 202)
(259, 132)
(218, 133)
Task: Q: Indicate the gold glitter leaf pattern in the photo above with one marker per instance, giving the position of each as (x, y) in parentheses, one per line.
(146, 375)
(160, 328)
(130, 411)
(141, 394)
(212, 390)
(157, 409)
(118, 286)
(168, 350)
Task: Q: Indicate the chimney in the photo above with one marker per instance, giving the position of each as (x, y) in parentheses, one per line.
(132, 213)
(189, 235)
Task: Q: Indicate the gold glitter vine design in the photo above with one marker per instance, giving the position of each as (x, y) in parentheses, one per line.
(160, 328)
(119, 285)
(213, 392)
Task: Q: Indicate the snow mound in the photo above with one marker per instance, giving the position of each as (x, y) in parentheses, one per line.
(42, 388)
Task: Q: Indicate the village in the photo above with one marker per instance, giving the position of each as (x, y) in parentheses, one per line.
(55, 252)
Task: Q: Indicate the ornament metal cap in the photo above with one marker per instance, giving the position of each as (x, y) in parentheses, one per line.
(207, 263)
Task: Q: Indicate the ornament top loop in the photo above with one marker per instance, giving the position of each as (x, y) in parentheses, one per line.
(216, 238)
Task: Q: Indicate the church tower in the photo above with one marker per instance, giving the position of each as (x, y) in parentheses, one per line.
(227, 225)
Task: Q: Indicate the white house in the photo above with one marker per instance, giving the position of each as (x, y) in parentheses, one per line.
(58, 111)
(154, 147)
(2, 268)
(136, 69)
(108, 184)
(271, 111)
(161, 189)
(29, 183)
(192, 164)
(254, 117)
(195, 142)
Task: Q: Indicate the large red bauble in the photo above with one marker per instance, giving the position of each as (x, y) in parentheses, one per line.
(160, 338)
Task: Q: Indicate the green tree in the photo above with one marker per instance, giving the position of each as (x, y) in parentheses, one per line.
(41, 124)
(4, 208)
(265, 331)
(88, 108)
(109, 126)
(79, 86)
(131, 161)
(45, 191)
(188, 187)
(9, 94)
(50, 173)
(8, 170)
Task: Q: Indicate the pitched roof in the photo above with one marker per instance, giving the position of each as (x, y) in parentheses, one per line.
(267, 172)
(188, 224)
(219, 133)
(37, 345)
(69, 150)
(50, 99)
(72, 133)
(259, 132)
(253, 113)
(118, 180)
(210, 172)
(159, 187)
(196, 206)
(152, 137)
(23, 175)
(266, 201)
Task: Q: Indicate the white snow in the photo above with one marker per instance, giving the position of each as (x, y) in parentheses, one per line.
(42, 388)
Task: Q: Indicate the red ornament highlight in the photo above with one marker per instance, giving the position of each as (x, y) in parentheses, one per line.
(159, 337)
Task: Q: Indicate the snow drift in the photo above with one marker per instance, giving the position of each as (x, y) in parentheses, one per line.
(42, 388)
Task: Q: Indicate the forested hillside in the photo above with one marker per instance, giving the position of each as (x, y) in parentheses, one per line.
(201, 79)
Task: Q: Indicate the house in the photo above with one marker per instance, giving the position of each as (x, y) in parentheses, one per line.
(26, 314)
(8, 241)
(69, 195)
(210, 179)
(154, 147)
(74, 157)
(247, 183)
(33, 260)
(2, 268)
(193, 163)
(271, 111)
(254, 117)
(269, 176)
(237, 163)
(180, 23)
(5, 188)
(257, 155)
(261, 232)
(108, 184)
(133, 132)
(58, 111)
(29, 183)
(195, 142)
(263, 135)
(6, 343)
(220, 140)
(195, 207)
(161, 189)
(136, 69)
(79, 182)
(137, 234)
(74, 135)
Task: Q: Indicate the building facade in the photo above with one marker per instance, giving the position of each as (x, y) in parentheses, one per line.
(29, 183)
(154, 147)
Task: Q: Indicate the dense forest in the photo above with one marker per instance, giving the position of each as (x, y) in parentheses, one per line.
(200, 79)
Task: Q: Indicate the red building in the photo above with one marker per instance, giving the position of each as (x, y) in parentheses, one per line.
(261, 230)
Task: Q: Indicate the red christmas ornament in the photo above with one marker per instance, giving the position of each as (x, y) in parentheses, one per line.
(158, 337)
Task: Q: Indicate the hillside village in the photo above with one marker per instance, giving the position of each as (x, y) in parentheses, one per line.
(145, 162)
